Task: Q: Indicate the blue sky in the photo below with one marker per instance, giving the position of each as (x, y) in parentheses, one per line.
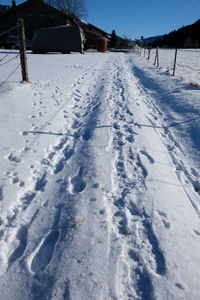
(134, 18)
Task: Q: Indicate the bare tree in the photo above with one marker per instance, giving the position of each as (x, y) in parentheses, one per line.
(50, 2)
(72, 7)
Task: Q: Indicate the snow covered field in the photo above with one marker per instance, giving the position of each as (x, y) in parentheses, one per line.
(100, 180)
(188, 63)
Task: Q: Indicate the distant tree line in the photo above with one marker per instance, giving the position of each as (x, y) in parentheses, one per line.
(119, 42)
(185, 37)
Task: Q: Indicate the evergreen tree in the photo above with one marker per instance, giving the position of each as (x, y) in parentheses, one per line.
(113, 40)
(185, 37)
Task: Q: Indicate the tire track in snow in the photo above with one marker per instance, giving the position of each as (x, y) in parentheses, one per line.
(134, 223)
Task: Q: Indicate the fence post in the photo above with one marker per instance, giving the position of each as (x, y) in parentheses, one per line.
(22, 49)
(175, 57)
(149, 53)
(157, 58)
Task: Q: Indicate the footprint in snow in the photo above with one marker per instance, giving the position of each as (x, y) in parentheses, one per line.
(116, 126)
(87, 134)
(76, 124)
(77, 114)
(15, 179)
(1, 193)
(41, 183)
(134, 255)
(27, 198)
(13, 158)
(93, 199)
(195, 172)
(197, 232)
(180, 286)
(26, 149)
(59, 166)
(164, 218)
(77, 183)
(22, 242)
(45, 252)
(102, 211)
(95, 185)
(130, 139)
(148, 156)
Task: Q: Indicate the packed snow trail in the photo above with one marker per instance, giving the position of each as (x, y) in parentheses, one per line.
(111, 208)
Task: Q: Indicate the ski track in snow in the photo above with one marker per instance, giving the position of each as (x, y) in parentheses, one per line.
(128, 215)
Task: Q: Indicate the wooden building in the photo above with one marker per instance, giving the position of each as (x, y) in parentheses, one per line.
(3, 8)
(36, 14)
(92, 34)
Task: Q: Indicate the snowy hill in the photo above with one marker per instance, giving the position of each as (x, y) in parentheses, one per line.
(100, 180)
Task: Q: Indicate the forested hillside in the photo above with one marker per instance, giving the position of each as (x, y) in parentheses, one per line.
(185, 37)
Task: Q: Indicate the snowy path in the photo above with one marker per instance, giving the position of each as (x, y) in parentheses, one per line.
(103, 200)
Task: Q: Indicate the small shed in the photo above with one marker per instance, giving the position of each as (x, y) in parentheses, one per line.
(63, 39)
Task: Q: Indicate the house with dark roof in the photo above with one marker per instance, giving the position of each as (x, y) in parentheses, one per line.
(36, 14)
(3, 8)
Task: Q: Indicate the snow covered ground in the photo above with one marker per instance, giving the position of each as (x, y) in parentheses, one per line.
(187, 65)
(100, 180)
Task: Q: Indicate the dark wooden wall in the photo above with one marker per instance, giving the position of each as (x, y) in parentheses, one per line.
(36, 15)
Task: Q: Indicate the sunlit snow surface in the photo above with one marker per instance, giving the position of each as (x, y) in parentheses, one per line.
(187, 63)
(100, 180)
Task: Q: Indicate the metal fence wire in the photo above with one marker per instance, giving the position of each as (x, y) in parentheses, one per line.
(5, 60)
(6, 79)
(175, 61)
(9, 60)
(193, 69)
(5, 63)
(6, 55)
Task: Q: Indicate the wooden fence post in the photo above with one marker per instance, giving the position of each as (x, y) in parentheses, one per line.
(149, 53)
(157, 58)
(22, 49)
(175, 57)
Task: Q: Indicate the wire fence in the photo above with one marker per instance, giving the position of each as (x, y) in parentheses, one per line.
(5, 56)
(184, 63)
(10, 64)
(9, 30)
(9, 61)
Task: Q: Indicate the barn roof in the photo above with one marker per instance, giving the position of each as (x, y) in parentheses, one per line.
(17, 8)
